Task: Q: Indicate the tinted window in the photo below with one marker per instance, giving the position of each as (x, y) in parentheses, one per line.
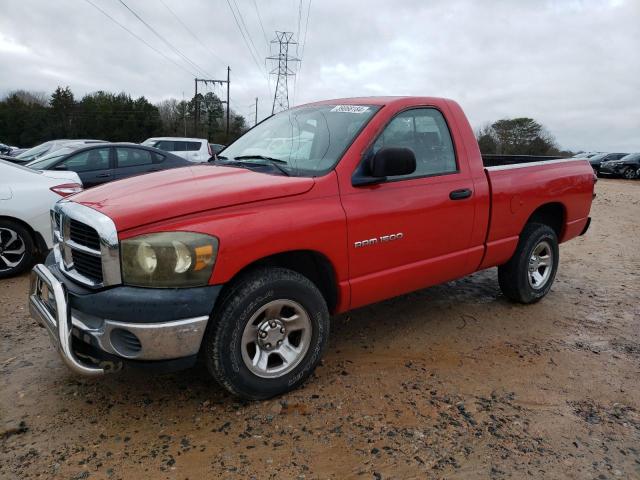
(424, 131)
(96, 159)
(166, 145)
(189, 146)
(177, 146)
(132, 157)
(157, 158)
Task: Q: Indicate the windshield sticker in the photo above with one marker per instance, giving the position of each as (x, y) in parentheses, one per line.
(350, 108)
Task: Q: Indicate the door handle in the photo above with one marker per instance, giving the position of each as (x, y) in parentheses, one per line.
(103, 175)
(460, 194)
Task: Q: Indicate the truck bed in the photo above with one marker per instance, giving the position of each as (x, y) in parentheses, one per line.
(518, 189)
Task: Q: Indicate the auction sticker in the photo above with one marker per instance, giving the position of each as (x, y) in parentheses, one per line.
(350, 108)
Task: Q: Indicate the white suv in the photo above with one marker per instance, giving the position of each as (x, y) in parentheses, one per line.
(193, 149)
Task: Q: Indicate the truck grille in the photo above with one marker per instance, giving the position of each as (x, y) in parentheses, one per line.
(84, 235)
(88, 265)
(86, 246)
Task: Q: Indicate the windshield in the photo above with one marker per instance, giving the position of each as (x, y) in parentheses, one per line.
(43, 163)
(36, 151)
(599, 156)
(305, 141)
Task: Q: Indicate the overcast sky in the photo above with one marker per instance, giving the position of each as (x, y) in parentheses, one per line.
(573, 65)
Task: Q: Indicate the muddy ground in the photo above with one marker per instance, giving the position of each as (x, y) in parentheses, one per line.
(448, 382)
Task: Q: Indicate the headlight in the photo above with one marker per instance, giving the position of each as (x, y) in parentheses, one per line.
(168, 259)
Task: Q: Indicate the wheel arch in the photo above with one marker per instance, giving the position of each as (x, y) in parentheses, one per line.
(41, 245)
(553, 214)
(312, 264)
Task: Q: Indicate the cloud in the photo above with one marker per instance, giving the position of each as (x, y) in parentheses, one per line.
(571, 64)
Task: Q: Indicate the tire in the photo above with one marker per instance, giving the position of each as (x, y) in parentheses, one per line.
(17, 249)
(629, 173)
(261, 303)
(516, 280)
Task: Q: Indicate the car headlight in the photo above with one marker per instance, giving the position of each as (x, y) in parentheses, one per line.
(168, 259)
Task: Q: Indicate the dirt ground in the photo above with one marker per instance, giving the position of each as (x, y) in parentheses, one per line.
(448, 382)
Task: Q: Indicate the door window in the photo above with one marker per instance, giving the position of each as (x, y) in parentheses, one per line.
(89, 160)
(424, 131)
(177, 146)
(132, 157)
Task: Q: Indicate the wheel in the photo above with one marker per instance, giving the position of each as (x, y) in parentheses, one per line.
(529, 274)
(17, 248)
(268, 335)
(629, 173)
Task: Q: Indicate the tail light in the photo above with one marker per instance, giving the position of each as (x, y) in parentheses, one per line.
(67, 189)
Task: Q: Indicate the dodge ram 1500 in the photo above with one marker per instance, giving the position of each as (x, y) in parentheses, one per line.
(319, 209)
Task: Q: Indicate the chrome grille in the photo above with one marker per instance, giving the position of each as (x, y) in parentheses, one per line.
(88, 265)
(85, 244)
(84, 235)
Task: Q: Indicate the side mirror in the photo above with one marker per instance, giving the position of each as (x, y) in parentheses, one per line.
(387, 162)
(392, 161)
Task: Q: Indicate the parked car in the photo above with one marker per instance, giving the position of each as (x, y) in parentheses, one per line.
(5, 149)
(26, 197)
(241, 262)
(193, 149)
(216, 148)
(597, 160)
(586, 154)
(103, 163)
(43, 149)
(627, 167)
(17, 151)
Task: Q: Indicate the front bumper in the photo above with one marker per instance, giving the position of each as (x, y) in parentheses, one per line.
(98, 331)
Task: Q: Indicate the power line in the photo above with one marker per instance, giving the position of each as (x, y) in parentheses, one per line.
(192, 34)
(164, 40)
(299, 19)
(246, 29)
(306, 29)
(139, 38)
(266, 39)
(304, 44)
(246, 42)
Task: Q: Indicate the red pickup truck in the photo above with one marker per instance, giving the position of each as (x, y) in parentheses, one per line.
(317, 210)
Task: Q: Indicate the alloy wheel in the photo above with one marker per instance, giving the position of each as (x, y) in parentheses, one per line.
(540, 265)
(276, 338)
(12, 249)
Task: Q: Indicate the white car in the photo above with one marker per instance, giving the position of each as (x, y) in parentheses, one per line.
(26, 197)
(193, 149)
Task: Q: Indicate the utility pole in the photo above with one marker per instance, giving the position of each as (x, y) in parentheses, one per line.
(228, 104)
(184, 114)
(256, 119)
(281, 96)
(206, 81)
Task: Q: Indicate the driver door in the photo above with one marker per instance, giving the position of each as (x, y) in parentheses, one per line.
(411, 231)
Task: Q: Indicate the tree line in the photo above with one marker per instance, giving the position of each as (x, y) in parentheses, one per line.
(518, 136)
(29, 118)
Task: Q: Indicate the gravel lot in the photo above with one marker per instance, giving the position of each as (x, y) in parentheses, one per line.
(448, 382)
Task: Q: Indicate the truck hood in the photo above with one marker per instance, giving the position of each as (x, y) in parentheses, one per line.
(154, 197)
